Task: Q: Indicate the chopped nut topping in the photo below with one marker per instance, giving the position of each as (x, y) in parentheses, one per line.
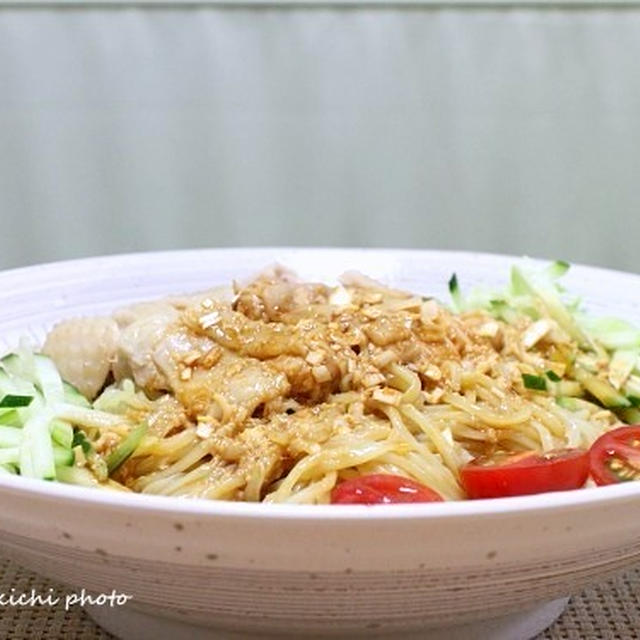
(372, 297)
(191, 357)
(536, 332)
(210, 319)
(315, 357)
(373, 379)
(434, 396)
(489, 329)
(321, 373)
(204, 430)
(384, 359)
(372, 312)
(388, 396)
(429, 311)
(432, 372)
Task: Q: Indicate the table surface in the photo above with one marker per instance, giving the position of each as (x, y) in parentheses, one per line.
(610, 611)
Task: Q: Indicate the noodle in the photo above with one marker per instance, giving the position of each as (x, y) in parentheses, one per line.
(293, 387)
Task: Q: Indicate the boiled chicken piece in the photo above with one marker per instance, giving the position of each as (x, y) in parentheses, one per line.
(150, 343)
(83, 349)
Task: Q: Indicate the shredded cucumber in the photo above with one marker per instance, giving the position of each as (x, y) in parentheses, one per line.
(126, 447)
(37, 410)
(62, 457)
(10, 436)
(36, 448)
(76, 475)
(9, 455)
(536, 293)
(41, 422)
(62, 433)
(73, 396)
(11, 418)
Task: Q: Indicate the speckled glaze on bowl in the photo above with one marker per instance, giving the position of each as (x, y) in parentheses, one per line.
(498, 569)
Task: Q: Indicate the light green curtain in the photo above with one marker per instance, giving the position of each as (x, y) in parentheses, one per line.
(513, 129)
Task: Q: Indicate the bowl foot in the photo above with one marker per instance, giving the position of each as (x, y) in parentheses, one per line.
(127, 623)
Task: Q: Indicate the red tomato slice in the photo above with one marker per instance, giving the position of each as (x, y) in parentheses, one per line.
(615, 456)
(526, 473)
(381, 488)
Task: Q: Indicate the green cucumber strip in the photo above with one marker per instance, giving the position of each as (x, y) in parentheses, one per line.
(501, 310)
(568, 388)
(48, 379)
(557, 269)
(11, 455)
(538, 383)
(10, 418)
(76, 475)
(454, 290)
(36, 450)
(553, 376)
(73, 396)
(11, 401)
(126, 447)
(602, 390)
(553, 305)
(613, 333)
(10, 436)
(61, 433)
(62, 457)
(568, 403)
(631, 415)
(11, 364)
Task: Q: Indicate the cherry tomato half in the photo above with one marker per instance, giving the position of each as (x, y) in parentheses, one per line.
(615, 456)
(526, 473)
(382, 488)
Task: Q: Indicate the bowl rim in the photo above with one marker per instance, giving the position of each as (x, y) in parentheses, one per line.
(266, 249)
(134, 503)
(123, 501)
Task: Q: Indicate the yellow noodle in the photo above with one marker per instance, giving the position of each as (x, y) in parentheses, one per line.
(316, 492)
(488, 417)
(379, 382)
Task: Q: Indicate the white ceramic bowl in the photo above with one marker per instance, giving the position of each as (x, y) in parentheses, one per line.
(498, 569)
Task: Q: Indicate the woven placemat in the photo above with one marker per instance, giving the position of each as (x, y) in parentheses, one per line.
(610, 611)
